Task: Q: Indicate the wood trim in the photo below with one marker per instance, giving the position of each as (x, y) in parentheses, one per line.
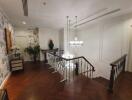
(5, 80)
(8, 39)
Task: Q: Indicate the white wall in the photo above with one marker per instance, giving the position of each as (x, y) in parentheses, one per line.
(4, 57)
(45, 34)
(22, 38)
(61, 39)
(104, 42)
(22, 41)
(130, 45)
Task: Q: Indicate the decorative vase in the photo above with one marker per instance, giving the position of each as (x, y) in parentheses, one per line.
(51, 45)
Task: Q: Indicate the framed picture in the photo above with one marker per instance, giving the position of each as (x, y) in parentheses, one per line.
(8, 39)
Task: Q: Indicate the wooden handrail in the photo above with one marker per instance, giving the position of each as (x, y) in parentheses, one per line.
(70, 67)
(117, 67)
(74, 59)
(115, 62)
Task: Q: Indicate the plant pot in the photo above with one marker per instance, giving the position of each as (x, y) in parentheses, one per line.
(34, 58)
(51, 46)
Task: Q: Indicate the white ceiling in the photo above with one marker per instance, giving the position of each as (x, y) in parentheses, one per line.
(53, 14)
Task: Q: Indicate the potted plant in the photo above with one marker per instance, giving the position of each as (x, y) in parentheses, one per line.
(51, 44)
(33, 51)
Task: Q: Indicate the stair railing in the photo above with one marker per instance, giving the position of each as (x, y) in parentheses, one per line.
(70, 68)
(117, 67)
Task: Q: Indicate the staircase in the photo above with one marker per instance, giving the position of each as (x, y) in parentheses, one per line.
(102, 81)
(70, 69)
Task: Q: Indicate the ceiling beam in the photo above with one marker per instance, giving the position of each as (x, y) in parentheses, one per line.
(25, 7)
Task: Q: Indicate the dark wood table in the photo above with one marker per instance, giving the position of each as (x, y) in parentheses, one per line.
(45, 51)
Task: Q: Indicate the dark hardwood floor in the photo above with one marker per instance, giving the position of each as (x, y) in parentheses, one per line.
(102, 81)
(37, 82)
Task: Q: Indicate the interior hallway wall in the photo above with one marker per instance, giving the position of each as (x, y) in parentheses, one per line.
(4, 57)
(61, 39)
(130, 47)
(45, 34)
(104, 42)
(23, 39)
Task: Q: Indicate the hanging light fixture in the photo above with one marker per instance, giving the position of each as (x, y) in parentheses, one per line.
(67, 54)
(76, 42)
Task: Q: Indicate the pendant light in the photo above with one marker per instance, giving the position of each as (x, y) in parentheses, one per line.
(76, 42)
(67, 54)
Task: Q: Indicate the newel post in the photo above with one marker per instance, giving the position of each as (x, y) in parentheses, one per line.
(76, 68)
(111, 84)
(45, 57)
(124, 64)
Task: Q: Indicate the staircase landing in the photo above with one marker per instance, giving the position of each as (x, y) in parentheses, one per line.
(102, 81)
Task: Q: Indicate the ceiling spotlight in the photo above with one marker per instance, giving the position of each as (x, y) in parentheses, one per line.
(23, 22)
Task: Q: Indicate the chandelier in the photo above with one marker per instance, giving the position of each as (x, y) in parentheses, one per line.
(76, 42)
(67, 54)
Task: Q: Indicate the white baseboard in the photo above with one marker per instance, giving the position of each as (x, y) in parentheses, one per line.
(5, 80)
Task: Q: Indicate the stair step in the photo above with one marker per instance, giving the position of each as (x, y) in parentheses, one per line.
(102, 81)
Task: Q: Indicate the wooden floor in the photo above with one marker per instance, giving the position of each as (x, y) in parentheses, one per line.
(38, 83)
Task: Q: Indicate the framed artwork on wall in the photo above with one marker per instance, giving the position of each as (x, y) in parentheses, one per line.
(8, 39)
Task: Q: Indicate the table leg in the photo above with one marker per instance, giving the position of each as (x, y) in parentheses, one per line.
(45, 58)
